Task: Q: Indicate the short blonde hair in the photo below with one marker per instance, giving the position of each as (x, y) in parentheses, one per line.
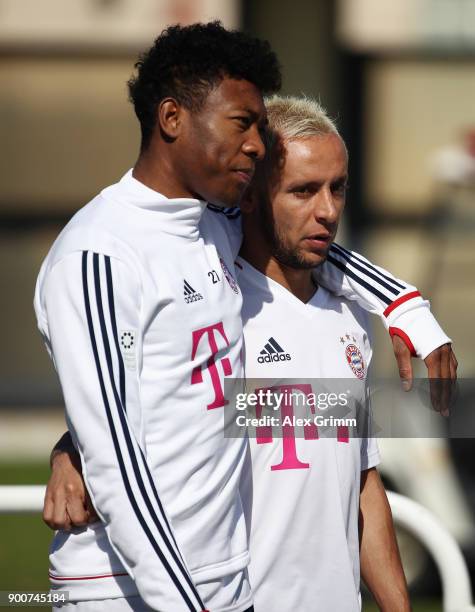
(291, 117)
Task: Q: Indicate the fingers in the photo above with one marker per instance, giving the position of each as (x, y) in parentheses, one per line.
(403, 358)
(441, 370)
(48, 511)
(434, 373)
(54, 510)
(442, 373)
(93, 518)
(453, 366)
(446, 381)
(76, 508)
(65, 499)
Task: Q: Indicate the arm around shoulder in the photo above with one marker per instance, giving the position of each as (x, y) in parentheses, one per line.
(400, 306)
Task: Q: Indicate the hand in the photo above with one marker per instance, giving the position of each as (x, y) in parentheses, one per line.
(67, 503)
(441, 370)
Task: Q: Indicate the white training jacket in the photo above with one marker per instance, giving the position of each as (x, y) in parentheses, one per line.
(139, 309)
(142, 335)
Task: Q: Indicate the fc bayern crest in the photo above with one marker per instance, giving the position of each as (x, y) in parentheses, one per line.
(355, 361)
(232, 283)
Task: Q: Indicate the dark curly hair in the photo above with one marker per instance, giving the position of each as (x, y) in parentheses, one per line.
(186, 62)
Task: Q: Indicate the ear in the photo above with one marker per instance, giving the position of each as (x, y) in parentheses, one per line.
(169, 117)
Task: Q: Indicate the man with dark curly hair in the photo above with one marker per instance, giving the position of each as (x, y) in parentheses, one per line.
(140, 310)
(141, 315)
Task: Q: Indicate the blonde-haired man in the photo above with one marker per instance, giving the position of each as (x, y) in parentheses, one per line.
(307, 484)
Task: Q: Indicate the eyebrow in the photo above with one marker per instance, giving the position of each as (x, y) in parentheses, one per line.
(313, 183)
(256, 116)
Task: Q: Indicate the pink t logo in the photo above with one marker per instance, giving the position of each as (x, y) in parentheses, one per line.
(290, 460)
(197, 374)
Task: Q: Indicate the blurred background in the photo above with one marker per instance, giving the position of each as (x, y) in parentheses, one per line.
(399, 77)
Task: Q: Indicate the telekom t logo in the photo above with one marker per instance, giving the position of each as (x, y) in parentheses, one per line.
(197, 374)
(290, 460)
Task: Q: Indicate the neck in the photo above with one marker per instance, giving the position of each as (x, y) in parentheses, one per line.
(298, 281)
(155, 170)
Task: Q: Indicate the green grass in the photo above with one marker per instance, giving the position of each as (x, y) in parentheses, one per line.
(24, 473)
(24, 539)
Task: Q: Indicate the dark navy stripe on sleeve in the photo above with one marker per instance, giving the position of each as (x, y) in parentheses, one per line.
(351, 256)
(367, 273)
(110, 293)
(126, 433)
(344, 268)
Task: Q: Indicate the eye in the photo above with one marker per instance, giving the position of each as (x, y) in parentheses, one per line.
(303, 191)
(243, 121)
(340, 188)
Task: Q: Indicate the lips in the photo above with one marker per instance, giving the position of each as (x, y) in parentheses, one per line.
(245, 174)
(319, 241)
(323, 236)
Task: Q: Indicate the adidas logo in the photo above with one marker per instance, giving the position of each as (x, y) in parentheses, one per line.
(190, 294)
(272, 352)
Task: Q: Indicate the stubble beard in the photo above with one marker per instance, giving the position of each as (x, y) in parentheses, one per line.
(287, 256)
(281, 251)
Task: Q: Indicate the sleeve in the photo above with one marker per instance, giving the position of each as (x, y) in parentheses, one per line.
(401, 307)
(369, 450)
(92, 309)
(369, 453)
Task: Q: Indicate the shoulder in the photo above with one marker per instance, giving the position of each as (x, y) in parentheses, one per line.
(349, 310)
(86, 246)
(92, 228)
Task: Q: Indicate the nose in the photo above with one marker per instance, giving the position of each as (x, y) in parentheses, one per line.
(254, 145)
(326, 209)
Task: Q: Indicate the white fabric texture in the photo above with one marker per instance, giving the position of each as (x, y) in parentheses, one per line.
(302, 500)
